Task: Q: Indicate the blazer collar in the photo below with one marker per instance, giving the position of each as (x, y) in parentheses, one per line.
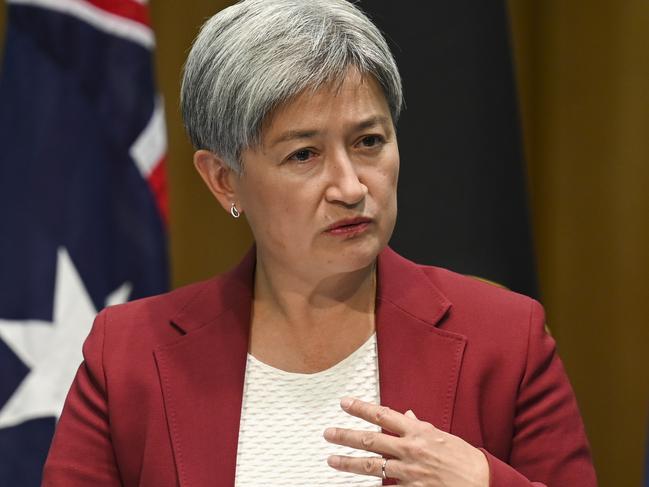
(404, 284)
(419, 362)
(231, 290)
(202, 373)
(400, 282)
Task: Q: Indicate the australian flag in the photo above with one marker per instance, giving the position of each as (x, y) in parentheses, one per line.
(82, 200)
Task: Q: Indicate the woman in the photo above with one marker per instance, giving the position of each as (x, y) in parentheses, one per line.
(324, 358)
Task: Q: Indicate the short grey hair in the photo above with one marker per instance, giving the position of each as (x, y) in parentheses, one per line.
(251, 57)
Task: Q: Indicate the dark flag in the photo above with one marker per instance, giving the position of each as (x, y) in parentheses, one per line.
(82, 200)
(462, 189)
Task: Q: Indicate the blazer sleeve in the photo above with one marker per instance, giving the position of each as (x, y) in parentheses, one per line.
(549, 446)
(81, 453)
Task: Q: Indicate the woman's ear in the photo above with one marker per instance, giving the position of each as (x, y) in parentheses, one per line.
(219, 178)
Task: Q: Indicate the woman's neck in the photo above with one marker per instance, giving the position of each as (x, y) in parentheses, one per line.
(308, 300)
(303, 324)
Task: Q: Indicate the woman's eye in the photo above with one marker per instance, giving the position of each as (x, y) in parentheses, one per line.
(371, 141)
(302, 155)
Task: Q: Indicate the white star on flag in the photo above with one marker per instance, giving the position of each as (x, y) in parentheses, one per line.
(52, 351)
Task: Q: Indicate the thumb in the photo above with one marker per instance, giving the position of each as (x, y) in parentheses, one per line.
(410, 414)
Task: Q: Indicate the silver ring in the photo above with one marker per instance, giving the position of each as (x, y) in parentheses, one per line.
(385, 462)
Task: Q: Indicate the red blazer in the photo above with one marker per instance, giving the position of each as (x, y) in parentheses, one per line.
(157, 399)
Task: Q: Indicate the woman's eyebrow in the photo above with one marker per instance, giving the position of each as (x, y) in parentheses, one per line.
(293, 135)
(367, 123)
(372, 122)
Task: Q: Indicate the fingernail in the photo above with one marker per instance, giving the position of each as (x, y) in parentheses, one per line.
(333, 461)
(328, 433)
(346, 402)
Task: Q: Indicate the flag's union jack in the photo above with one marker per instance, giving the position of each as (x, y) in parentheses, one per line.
(82, 200)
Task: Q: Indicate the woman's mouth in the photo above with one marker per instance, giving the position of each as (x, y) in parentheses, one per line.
(349, 227)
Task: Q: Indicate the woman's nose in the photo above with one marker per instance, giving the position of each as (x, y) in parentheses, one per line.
(345, 186)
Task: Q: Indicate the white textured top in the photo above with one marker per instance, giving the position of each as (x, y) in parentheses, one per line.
(284, 414)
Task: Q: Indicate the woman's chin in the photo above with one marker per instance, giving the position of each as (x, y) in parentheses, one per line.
(353, 257)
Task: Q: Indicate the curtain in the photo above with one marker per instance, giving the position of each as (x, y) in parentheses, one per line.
(583, 71)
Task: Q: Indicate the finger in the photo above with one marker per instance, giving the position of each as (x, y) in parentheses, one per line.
(381, 416)
(371, 441)
(366, 466)
(410, 414)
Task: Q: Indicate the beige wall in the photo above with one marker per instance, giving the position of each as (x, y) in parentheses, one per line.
(204, 239)
(583, 69)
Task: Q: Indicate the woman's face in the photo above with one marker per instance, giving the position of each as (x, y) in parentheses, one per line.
(319, 192)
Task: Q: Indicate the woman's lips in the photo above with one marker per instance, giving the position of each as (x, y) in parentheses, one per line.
(349, 227)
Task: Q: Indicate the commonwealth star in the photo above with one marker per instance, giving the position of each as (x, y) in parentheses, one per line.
(52, 351)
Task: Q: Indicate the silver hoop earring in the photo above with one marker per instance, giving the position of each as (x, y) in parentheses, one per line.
(234, 212)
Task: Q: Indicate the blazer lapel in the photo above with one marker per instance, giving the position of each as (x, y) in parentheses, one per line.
(202, 377)
(419, 363)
